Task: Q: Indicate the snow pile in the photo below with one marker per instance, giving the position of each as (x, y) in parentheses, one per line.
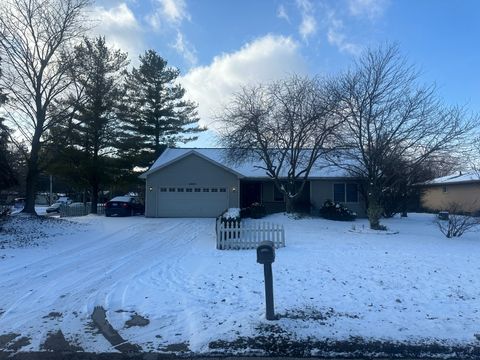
(231, 213)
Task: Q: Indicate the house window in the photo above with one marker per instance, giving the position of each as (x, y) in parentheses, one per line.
(171, 189)
(223, 190)
(345, 193)
(188, 189)
(206, 190)
(180, 189)
(277, 194)
(444, 189)
(339, 193)
(163, 189)
(351, 191)
(198, 189)
(214, 190)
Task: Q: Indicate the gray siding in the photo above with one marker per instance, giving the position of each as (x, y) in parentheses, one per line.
(322, 190)
(190, 171)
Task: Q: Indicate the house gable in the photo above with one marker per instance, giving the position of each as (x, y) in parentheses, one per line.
(184, 155)
(177, 181)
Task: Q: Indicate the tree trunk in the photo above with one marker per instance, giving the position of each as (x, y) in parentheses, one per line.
(30, 187)
(93, 209)
(404, 204)
(374, 213)
(289, 205)
(32, 176)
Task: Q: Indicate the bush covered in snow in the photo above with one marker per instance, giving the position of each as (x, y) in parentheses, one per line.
(336, 211)
(232, 215)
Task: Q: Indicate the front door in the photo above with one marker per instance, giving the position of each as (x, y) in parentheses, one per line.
(250, 192)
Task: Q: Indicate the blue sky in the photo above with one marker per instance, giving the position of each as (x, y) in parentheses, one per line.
(220, 45)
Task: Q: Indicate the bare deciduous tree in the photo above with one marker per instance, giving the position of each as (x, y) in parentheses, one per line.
(287, 125)
(389, 117)
(457, 223)
(475, 157)
(35, 37)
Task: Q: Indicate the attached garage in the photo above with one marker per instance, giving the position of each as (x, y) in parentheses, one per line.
(190, 185)
(191, 201)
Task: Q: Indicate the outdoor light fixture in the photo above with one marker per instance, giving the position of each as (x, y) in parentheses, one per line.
(150, 188)
(234, 189)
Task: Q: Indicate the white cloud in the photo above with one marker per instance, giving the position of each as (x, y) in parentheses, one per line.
(120, 27)
(337, 37)
(174, 10)
(369, 8)
(264, 59)
(308, 26)
(168, 17)
(169, 13)
(282, 13)
(184, 48)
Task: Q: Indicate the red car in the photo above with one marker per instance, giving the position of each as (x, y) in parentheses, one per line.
(124, 206)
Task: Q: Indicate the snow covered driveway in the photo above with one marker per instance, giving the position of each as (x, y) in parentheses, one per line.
(332, 281)
(122, 264)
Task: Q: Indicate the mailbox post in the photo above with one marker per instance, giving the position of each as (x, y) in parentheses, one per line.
(266, 256)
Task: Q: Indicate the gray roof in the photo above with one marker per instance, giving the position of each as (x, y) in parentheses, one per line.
(248, 169)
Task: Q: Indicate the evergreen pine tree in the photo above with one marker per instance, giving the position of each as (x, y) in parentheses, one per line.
(156, 114)
(97, 71)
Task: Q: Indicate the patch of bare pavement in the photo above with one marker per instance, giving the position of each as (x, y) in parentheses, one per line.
(113, 337)
(13, 342)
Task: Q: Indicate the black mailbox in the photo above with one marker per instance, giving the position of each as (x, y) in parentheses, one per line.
(266, 252)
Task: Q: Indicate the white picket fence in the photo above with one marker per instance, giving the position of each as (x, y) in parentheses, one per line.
(248, 235)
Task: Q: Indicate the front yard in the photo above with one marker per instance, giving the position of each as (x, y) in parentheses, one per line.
(333, 282)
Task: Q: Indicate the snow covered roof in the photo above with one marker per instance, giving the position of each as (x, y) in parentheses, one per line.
(248, 169)
(457, 178)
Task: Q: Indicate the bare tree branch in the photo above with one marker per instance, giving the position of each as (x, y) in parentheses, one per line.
(389, 117)
(35, 37)
(288, 125)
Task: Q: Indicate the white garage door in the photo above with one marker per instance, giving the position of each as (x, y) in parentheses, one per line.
(191, 201)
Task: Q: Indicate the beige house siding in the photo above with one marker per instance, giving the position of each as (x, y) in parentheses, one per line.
(190, 171)
(442, 197)
(322, 190)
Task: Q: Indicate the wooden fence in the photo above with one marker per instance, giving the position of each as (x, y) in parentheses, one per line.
(70, 211)
(248, 235)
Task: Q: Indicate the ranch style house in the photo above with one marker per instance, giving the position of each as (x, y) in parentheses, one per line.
(201, 182)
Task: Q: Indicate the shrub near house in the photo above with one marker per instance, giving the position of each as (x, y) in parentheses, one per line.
(336, 211)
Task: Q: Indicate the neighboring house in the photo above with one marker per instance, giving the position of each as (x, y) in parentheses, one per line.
(202, 183)
(458, 192)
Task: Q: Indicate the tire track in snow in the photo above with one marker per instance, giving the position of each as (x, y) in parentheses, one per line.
(129, 262)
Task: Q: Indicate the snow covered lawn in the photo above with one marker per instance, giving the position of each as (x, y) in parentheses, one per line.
(333, 280)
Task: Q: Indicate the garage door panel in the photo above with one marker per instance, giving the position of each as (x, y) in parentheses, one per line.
(191, 203)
